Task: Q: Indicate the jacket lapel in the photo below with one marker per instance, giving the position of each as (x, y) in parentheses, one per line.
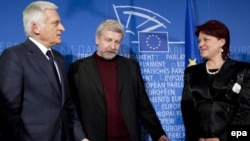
(199, 81)
(63, 74)
(91, 69)
(42, 62)
(222, 79)
(122, 71)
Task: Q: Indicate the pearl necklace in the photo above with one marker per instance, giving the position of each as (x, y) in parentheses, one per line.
(212, 73)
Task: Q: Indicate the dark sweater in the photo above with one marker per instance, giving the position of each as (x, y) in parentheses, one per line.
(116, 127)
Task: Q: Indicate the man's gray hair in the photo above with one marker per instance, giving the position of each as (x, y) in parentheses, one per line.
(35, 13)
(110, 25)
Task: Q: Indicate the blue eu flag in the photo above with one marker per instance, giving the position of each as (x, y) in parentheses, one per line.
(153, 41)
(192, 54)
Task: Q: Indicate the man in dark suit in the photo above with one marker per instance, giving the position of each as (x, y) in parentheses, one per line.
(35, 104)
(110, 92)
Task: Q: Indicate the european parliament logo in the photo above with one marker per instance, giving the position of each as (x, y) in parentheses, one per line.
(153, 42)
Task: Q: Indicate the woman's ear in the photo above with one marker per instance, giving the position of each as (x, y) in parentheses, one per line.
(222, 42)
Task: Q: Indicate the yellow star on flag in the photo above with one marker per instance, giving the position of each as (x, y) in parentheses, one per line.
(192, 62)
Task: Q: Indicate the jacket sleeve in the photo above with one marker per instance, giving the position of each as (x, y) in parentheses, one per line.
(243, 112)
(147, 112)
(190, 119)
(11, 87)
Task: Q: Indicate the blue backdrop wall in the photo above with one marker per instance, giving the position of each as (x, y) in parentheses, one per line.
(160, 22)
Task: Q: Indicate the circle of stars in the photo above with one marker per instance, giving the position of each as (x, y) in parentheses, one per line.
(153, 37)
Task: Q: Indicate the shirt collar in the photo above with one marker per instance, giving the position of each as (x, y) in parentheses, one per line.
(39, 45)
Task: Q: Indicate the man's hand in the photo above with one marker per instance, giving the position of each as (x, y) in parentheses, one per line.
(85, 139)
(163, 138)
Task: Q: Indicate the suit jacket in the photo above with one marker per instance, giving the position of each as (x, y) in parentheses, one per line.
(32, 106)
(86, 86)
(210, 109)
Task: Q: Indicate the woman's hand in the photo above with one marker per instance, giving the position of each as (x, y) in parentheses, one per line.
(209, 139)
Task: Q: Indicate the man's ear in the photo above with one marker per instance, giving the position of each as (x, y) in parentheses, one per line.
(35, 28)
(96, 40)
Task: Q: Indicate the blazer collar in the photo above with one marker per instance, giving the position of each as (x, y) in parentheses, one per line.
(40, 59)
(122, 72)
(92, 70)
(225, 74)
